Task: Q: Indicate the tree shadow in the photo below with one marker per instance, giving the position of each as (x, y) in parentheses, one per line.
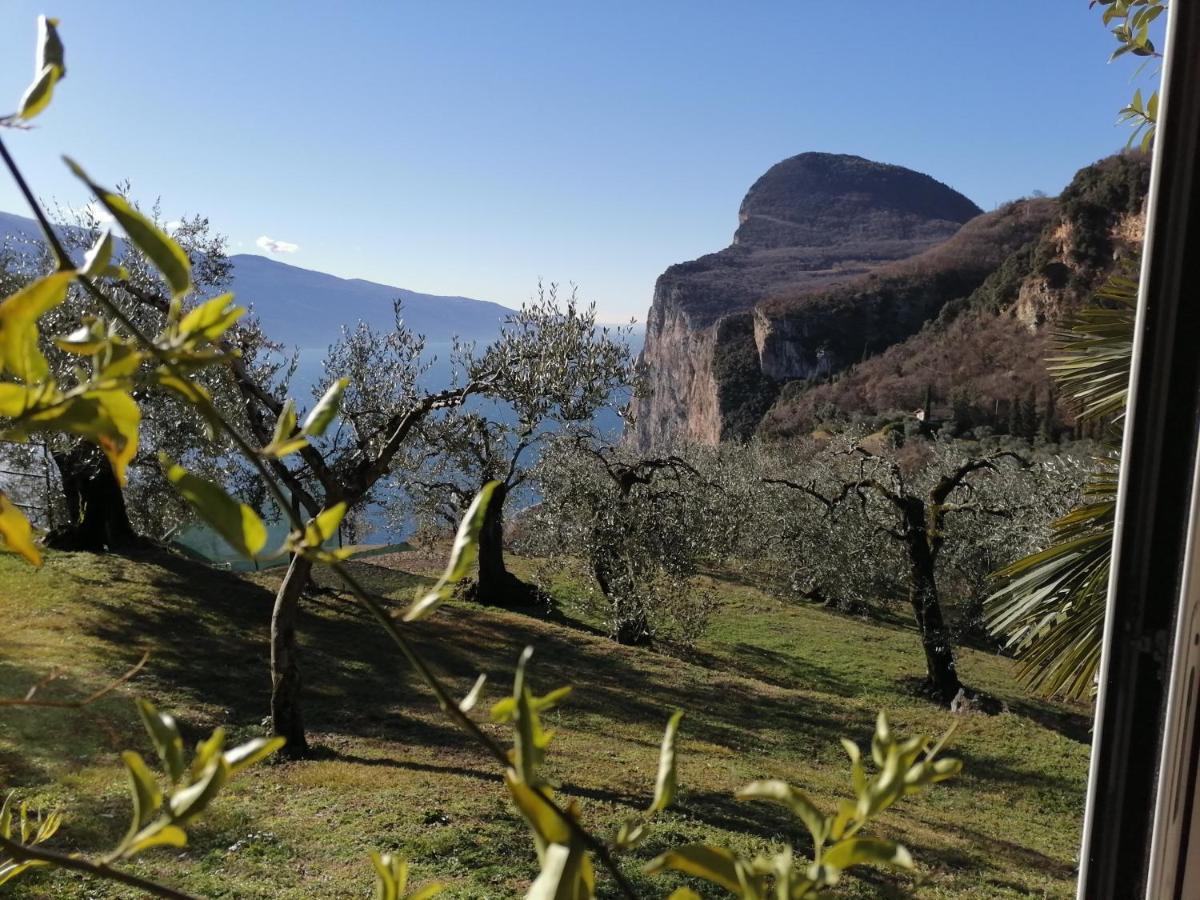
(987, 768)
(773, 668)
(210, 629)
(988, 854)
(1076, 726)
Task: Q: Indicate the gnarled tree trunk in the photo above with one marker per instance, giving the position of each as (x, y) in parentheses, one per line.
(286, 718)
(496, 585)
(630, 624)
(941, 669)
(97, 520)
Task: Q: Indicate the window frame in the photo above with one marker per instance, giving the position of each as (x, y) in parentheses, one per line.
(1137, 732)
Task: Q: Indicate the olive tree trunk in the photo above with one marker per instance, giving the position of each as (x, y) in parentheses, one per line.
(97, 520)
(630, 625)
(941, 669)
(286, 718)
(496, 585)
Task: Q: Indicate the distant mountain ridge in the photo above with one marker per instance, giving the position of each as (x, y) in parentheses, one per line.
(861, 291)
(981, 353)
(306, 308)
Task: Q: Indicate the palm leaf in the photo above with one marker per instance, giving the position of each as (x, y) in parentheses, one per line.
(1092, 359)
(1050, 610)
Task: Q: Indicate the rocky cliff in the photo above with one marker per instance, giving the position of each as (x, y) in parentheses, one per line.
(982, 352)
(839, 265)
(812, 222)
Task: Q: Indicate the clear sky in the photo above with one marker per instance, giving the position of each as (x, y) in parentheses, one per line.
(471, 147)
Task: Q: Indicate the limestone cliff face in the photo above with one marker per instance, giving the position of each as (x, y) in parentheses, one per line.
(715, 349)
(788, 348)
(1048, 292)
(678, 361)
(982, 349)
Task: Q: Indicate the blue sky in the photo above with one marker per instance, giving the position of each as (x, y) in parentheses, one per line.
(472, 147)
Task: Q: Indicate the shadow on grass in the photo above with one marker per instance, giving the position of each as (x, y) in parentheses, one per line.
(990, 769)
(210, 629)
(33, 738)
(774, 668)
(992, 854)
(1076, 726)
(896, 614)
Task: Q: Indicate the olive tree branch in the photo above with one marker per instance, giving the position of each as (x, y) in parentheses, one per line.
(26, 853)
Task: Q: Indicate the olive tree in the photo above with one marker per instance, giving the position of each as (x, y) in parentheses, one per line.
(639, 523)
(807, 552)
(551, 370)
(374, 376)
(94, 512)
(914, 517)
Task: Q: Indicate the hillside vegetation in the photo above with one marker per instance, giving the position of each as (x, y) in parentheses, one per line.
(985, 341)
(768, 691)
(894, 284)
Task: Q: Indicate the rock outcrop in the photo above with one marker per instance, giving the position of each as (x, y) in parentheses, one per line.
(853, 288)
(983, 352)
(811, 223)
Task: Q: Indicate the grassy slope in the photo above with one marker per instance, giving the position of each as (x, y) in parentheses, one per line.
(767, 693)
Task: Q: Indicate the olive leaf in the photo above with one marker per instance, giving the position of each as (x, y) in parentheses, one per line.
(19, 314)
(49, 68)
(666, 783)
(168, 257)
(326, 409)
(16, 534)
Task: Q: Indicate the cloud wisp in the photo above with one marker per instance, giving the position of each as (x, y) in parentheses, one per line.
(273, 246)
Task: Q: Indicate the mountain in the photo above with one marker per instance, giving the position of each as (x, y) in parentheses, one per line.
(981, 352)
(853, 289)
(17, 231)
(814, 221)
(305, 308)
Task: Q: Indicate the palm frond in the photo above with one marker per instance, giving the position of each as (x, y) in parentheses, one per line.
(1092, 359)
(1050, 609)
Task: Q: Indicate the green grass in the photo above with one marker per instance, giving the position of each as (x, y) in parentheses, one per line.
(768, 692)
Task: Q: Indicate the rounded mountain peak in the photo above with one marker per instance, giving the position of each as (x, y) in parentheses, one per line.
(822, 199)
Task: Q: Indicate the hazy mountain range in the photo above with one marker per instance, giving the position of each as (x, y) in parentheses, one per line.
(304, 308)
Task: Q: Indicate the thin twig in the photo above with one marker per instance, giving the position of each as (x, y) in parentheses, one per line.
(24, 852)
(30, 700)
